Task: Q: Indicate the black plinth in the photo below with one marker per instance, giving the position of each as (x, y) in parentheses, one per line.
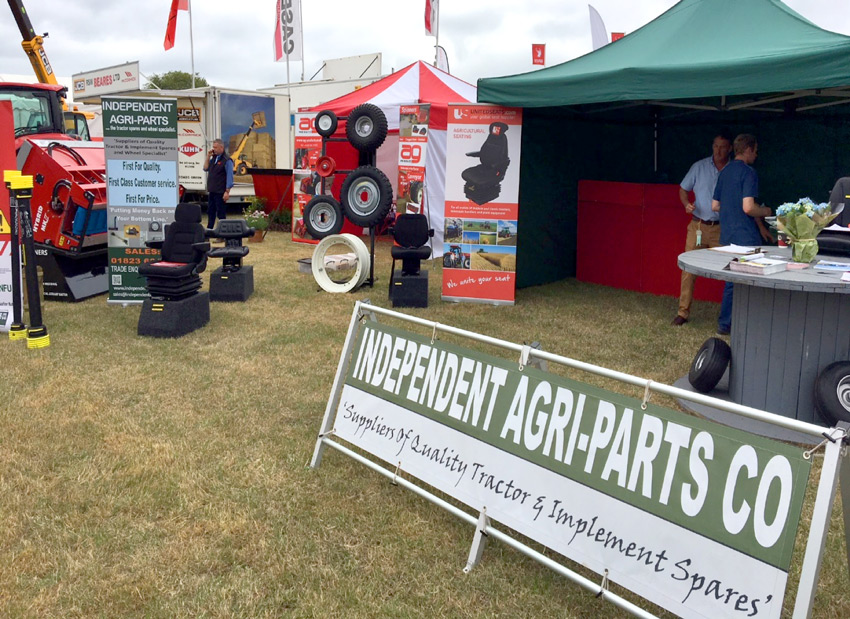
(232, 286)
(174, 318)
(409, 290)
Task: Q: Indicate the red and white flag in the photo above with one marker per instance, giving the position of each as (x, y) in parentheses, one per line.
(288, 39)
(432, 17)
(171, 29)
(538, 53)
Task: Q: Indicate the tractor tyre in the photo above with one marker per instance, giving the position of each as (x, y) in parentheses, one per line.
(709, 364)
(241, 169)
(323, 217)
(326, 123)
(367, 196)
(366, 127)
(466, 263)
(832, 392)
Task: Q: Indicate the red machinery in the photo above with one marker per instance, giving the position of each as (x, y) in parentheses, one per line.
(69, 193)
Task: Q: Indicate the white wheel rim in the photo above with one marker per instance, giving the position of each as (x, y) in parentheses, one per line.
(324, 122)
(318, 263)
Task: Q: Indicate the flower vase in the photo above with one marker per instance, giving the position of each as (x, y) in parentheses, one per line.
(257, 238)
(804, 250)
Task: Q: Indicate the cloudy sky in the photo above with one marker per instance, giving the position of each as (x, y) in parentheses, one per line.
(233, 39)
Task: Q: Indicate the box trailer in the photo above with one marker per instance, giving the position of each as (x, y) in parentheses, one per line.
(255, 127)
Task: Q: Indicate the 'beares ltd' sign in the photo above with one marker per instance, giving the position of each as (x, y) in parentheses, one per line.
(696, 517)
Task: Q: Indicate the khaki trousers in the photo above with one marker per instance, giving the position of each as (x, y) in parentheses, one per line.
(710, 238)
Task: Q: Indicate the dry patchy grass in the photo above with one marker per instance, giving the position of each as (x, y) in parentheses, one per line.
(166, 478)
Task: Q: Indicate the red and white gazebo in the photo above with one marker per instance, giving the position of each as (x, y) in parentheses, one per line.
(416, 83)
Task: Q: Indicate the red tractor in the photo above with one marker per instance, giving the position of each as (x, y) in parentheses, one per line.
(455, 258)
(69, 193)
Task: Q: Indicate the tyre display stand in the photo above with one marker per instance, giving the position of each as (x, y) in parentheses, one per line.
(365, 186)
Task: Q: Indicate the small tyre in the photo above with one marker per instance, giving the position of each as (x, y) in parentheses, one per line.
(323, 217)
(709, 364)
(367, 196)
(326, 123)
(832, 392)
(366, 127)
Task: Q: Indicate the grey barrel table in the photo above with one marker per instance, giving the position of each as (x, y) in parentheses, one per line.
(786, 328)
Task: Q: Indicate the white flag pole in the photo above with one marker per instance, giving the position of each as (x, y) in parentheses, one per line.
(437, 40)
(191, 44)
(301, 38)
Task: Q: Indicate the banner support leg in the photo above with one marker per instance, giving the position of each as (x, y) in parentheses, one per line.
(844, 481)
(479, 542)
(835, 451)
(336, 391)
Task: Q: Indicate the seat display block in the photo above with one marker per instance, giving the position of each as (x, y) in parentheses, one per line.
(232, 286)
(409, 290)
(175, 318)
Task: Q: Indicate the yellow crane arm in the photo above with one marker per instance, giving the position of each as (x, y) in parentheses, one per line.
(33, 44)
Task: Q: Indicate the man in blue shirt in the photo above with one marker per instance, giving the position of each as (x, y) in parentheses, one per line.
(704, 227)
(219, 169)
(740, 224)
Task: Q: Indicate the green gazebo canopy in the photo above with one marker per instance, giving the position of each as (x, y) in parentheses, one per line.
(643, 108)
(697, 49)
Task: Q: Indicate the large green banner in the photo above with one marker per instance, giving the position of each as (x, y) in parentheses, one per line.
(698, 517)
(140, 140)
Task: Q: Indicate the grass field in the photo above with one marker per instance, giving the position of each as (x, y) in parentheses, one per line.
(167, 478)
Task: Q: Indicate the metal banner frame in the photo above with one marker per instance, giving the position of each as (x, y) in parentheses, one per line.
(835, 443)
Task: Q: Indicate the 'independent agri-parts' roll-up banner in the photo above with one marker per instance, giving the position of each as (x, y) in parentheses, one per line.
(482, 203)
(140, 141)
(697, 517)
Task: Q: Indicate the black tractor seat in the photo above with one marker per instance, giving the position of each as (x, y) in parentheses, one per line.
(232, 231)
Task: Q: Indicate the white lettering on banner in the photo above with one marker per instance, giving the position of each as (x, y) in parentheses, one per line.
(644, 456)
(664, 562)
(123, 105)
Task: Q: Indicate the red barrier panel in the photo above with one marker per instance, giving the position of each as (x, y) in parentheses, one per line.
(629, 236)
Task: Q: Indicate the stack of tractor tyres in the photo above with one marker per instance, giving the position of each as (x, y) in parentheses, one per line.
(367, 194)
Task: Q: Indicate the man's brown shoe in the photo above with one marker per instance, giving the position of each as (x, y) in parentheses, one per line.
(678, 321)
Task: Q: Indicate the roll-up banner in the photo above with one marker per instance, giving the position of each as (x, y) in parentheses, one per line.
(308, 148)
(7, 162)
(140, 141)
(412, 154)
(482, 203)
